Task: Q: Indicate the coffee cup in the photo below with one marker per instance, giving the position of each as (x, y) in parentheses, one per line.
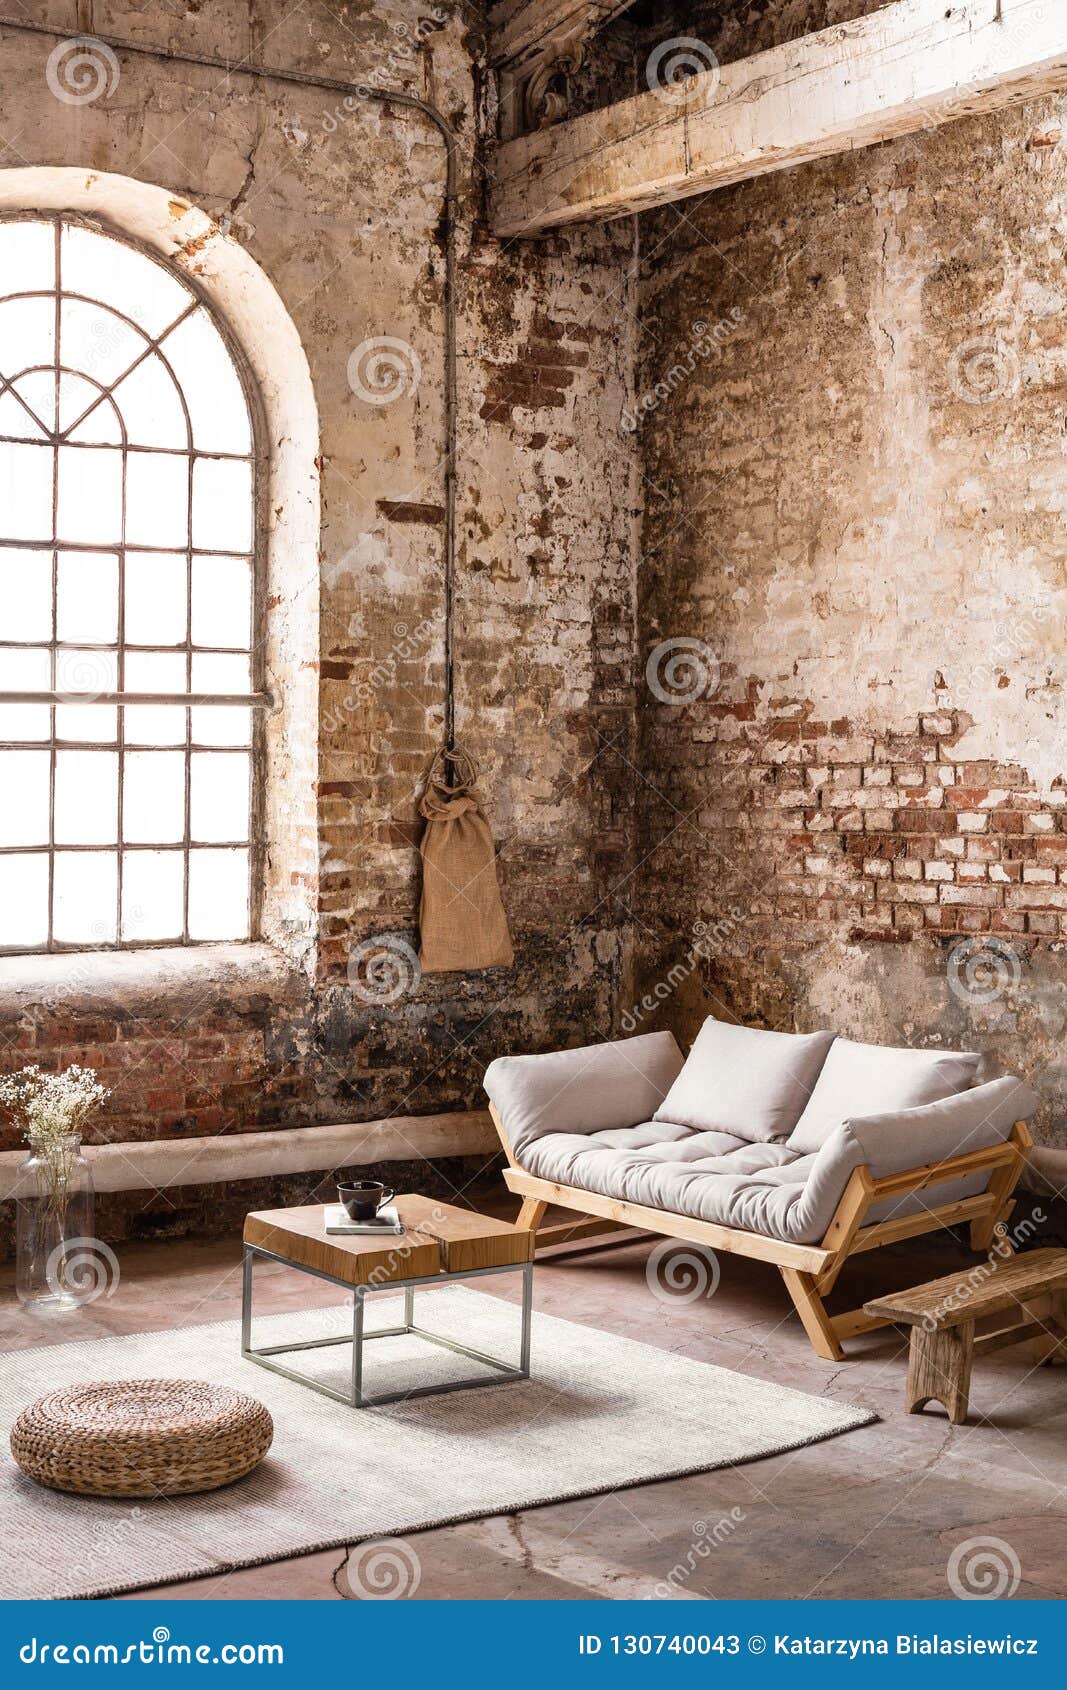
(362, 1198)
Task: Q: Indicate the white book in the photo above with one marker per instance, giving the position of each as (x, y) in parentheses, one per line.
(388, 1224)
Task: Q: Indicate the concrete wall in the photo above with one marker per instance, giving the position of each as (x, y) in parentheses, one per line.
(341, 207)
(851, 413)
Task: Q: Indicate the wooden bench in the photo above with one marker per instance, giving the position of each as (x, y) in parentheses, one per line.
(942, 1316)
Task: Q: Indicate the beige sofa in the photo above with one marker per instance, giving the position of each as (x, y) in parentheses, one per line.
(799, 1149)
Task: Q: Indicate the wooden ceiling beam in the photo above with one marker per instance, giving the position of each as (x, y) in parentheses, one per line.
(909, 66)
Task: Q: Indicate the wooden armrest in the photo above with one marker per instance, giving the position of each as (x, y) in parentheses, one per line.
(953, 1167)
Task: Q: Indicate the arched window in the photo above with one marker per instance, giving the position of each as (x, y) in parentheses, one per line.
(128, 653)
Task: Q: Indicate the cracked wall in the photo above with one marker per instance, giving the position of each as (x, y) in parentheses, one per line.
(340, 203)
(855, 504)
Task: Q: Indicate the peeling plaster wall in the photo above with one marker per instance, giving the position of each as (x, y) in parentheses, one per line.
(341, 207)
(855, 503)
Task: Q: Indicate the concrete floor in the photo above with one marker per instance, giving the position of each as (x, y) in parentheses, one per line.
(875, 1513)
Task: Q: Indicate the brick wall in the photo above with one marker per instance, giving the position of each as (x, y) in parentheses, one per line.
(879, 835)
(853, 515)
(341, 208)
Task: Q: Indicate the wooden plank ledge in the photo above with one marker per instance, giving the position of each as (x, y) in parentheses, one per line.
(159, 1164)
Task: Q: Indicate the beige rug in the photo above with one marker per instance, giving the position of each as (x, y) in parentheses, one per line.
(600, 1414)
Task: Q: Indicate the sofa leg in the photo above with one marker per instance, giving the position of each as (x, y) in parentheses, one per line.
(531, 1214)
(991, 1231)
(809, 1306)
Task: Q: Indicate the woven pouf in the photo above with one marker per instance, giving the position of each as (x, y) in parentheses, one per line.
(141, 1437)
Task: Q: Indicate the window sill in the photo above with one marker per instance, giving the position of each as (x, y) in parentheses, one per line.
(154, 978)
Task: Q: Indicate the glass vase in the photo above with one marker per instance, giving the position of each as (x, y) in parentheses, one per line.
(54, 1206)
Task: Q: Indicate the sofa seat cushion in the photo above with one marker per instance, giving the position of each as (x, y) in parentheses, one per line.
(859, 1080)
(745, 1081)
(773, 1189)
(707, 1176)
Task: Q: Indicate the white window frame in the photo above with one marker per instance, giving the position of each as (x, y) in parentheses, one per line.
(259, 700)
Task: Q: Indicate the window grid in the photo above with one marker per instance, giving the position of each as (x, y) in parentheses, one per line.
(246, 702)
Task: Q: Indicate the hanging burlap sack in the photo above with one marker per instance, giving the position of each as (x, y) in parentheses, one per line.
(462, 923)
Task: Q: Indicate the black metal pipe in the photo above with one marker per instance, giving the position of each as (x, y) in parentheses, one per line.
(385, 96)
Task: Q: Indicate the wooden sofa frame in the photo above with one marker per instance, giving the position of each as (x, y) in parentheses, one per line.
(809, 1270)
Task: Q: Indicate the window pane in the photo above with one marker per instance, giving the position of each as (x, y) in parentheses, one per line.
(152, 895)
(157, 500)
(38, 389)
(107, 269)
(28, 255)
(155, 724)
(27, 334)
(87, 599)
(85, 896)
(96, 342)
(155, 671)
(25, 594)
(78, 399)
(222, 601)
(221, 724)
(199, 358)
(149, 406)
(24, 671)
(24, 722)
(23, 900)
(219, 795)
(218, 894)
(97, 723)
(24, 784)
(222, 505)
(83, 675)
(86, 802)
(16, 422)
(155, 598)
(26, 491)
(153, 797)
(90, 494)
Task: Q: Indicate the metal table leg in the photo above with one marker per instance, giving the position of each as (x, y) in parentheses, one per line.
(358, 1311)
(355, 1396)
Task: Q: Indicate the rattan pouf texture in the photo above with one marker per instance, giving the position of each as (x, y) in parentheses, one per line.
(141, 1437)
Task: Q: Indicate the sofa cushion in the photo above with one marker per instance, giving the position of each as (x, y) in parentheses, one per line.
(871, 1079)
(597, 1088)
(769, 1188)
(745, 1081)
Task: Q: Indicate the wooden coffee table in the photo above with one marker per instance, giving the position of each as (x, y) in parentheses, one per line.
(439, 1244)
